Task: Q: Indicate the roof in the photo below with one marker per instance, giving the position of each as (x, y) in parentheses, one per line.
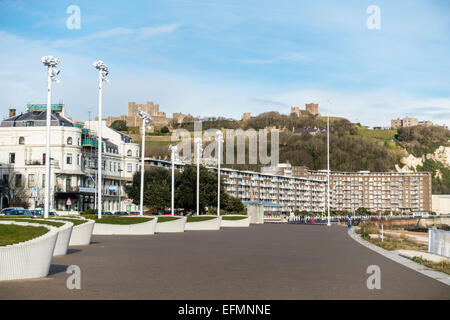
(40, 116)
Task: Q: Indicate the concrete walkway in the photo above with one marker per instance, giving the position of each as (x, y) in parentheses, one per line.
(272, 261)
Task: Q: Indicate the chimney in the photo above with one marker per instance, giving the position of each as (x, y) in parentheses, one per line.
(12, 113)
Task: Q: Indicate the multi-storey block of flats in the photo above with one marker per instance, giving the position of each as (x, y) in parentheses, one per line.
(407, 192)
(73, 163)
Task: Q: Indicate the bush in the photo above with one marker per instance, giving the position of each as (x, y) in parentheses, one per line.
(369, 228)
(89, 211)
(119, 125)
(365, 235)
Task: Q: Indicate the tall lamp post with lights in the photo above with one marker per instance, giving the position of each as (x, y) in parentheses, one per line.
(173, 151)
(219, 139)
(102, 73)
(328, 170)
(198, 143)
(51, 63)
(146, 119)
(120, 188)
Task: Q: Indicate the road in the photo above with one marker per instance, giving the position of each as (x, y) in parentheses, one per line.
(271, 261)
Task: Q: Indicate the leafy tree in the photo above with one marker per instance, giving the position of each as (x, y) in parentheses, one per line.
(164, 129)
(119, 125)
(157, 188)
(232, 204)
(361, 210)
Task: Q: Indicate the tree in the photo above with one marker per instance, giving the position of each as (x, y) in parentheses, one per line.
(119, 125)
(361, 210)
(157, 188)
(12, 186)
(164, 129)
(232, 204)
(186, 189)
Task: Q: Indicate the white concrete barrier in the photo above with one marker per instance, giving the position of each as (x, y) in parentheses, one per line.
(210, 224)
(142, 228)
(439, 242)
(82, 233)
(64, 233)
(235, 223)
(29, 259)
(177, 225)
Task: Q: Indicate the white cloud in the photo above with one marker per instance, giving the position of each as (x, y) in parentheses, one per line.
(117, 33)
(149, 32)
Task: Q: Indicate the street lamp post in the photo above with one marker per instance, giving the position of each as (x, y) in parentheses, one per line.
(173, 150)
(120, 189)
(198, 142)
(146, 119)
(102, 73)
(50, 62)
(328, 169)
(219, 139)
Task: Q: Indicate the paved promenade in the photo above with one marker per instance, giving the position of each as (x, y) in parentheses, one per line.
(272, 261)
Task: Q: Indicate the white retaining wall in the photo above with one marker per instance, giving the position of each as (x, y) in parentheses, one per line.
(439, 242)
(211, 224)
(235, 223)
(29, 259)
(143, 228)
(82, 233)
(177, 225)
(64, 233)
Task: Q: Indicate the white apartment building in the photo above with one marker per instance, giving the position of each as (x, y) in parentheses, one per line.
(73, 169)
(376, 191)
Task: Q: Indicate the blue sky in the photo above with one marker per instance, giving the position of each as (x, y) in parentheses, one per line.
(212, 58)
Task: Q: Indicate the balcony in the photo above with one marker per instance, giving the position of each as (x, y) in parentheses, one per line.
(90, 143)
(61, 189)
(40, 163)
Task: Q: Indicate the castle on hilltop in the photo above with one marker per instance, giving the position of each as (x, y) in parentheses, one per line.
(159, 118)
(311, 109)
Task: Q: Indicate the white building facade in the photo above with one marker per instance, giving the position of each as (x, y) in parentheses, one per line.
(73, 169)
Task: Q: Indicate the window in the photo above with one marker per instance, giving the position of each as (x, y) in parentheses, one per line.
(31, 181)
(129, 167)
(69, 158)
(12, 158)
(78, 159)
(129, 153)
(18, 180)
(29, 124)
(137, 153)
(69, 140)
(137, 166)
(21, 140)
(43, 180)
(68, 183)
(110, 166)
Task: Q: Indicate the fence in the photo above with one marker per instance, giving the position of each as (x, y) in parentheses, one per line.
(439, 242)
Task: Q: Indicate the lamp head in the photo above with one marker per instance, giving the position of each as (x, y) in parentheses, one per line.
(50, 61)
